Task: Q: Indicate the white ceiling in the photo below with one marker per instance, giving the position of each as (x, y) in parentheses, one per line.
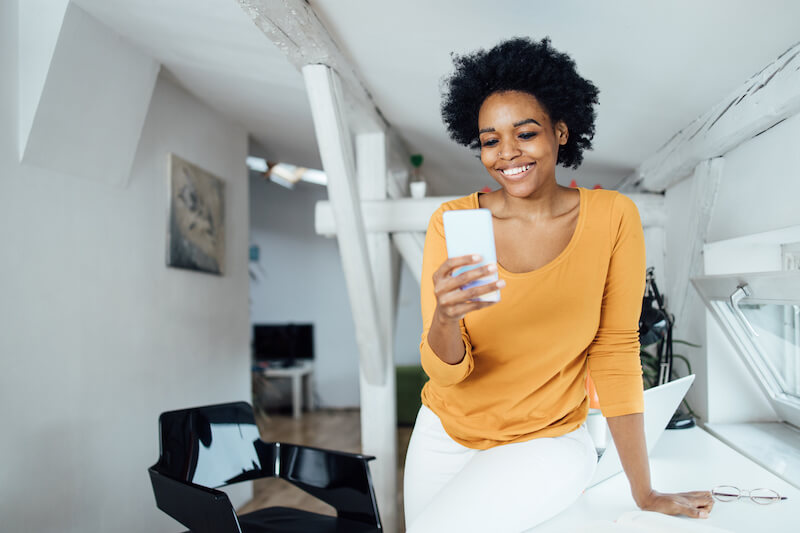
(658, 65)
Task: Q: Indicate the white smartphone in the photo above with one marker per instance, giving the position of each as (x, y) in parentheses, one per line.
(467, 232)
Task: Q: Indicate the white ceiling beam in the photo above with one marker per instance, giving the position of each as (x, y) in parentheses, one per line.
(293, 26)
(413, 215)
(766, 99)
(404, 214)
(410, 245)
(296, 30)
(336, 151)
(705, 187)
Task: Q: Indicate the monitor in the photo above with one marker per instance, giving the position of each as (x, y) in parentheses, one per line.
(283, 342)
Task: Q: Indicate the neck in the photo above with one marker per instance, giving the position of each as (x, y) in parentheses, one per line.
(547, 201)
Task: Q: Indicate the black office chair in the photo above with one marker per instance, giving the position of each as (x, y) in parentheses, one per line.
(204, 448)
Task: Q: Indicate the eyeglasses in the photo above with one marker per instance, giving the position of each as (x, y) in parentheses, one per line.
(729, 493)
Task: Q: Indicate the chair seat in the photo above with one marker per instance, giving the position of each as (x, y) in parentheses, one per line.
(286, 520)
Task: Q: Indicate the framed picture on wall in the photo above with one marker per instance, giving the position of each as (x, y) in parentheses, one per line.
(196, 226)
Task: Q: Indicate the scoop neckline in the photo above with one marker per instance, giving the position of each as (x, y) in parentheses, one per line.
(562, 255)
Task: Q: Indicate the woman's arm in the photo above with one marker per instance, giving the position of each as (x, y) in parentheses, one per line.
(452, 303)
(628, 434)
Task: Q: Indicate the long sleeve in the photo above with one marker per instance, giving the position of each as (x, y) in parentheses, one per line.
(613, 356)
(441, 373)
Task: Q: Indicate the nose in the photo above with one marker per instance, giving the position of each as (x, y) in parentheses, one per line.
(508, 149)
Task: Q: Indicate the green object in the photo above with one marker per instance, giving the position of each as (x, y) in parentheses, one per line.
(417, 160)
(410, 380)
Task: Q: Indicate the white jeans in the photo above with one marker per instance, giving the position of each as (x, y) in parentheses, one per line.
(508, 488)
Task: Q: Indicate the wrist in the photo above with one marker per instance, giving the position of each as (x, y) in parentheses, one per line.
(442, 321)
(643, 496)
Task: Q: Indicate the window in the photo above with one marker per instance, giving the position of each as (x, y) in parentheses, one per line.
(760, 314)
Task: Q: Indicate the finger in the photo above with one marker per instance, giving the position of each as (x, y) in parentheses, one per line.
(693, 512)
(449, 284)
(453, 263)
(458, 296)
(701, 498)
(484, 289)
(462, 309)
(448, 265)
(476, 273)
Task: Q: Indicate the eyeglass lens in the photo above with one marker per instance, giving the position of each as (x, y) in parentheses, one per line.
(764, 496)
(726, 493)
(729, 493)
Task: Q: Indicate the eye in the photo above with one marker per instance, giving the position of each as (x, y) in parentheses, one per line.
(490, 142)
(527, 135)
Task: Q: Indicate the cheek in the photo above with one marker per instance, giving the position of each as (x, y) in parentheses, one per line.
(486, 158)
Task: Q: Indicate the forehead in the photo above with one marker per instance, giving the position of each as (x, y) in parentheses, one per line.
(505, 108)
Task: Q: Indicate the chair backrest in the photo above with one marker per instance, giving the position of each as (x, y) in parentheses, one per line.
(204, 448)
(212, 446)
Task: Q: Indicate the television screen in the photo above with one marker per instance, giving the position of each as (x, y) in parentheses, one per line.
(283, 342)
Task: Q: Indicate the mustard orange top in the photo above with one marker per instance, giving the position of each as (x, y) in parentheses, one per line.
(523, 374)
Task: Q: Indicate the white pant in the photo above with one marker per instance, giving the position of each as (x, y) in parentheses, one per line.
(508, 488)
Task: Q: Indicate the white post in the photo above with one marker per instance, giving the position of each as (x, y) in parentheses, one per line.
(378, 401)
(335, 147)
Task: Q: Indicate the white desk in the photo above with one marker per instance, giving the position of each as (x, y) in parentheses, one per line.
(302, 371)
(683, 460)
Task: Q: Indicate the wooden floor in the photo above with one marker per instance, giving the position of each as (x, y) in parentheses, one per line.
(338, 429)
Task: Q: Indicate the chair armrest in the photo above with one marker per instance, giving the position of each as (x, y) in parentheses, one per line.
(340, 479)
(201, 509)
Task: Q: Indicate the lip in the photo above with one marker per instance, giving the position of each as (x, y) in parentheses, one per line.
(519, 176)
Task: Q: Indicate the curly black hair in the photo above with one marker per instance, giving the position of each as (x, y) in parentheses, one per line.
(521, 64)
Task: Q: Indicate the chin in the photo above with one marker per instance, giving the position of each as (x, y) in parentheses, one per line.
(519, 189)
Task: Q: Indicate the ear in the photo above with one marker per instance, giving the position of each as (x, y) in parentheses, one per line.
(562, 132)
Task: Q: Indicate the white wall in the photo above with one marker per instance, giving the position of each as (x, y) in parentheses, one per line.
(303, 281)
(97, 335)
(758, 193)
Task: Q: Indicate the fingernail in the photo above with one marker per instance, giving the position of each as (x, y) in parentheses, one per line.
(501, 283)
(491, 268)
(703, 514)
(476, 257)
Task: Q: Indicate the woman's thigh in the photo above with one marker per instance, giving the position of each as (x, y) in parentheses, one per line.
(511, 488)
(432, 460)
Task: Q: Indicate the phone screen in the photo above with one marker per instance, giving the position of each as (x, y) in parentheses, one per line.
(469, 231)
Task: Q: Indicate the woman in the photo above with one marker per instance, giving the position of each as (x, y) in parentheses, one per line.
(499, 443)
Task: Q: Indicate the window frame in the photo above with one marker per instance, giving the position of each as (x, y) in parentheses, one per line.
(765, 287)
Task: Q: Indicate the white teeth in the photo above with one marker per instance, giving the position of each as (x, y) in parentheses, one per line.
(515, 171)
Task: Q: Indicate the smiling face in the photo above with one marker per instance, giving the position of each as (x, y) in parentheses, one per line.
(519, 143)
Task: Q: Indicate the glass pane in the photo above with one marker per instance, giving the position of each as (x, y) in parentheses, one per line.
(778, 341)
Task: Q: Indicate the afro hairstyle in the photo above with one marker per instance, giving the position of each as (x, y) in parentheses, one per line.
(520, 64)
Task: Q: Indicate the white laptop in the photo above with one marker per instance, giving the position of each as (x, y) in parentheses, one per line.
(660, 404)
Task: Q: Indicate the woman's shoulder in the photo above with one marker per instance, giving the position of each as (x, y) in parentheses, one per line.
(465, 202)
(609, 201)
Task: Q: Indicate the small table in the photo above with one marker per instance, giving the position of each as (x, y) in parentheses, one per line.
(688, 459)
(298, 371)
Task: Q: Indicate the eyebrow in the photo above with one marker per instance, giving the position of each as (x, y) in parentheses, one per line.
(516, 125)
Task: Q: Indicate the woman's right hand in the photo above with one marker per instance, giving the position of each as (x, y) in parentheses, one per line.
(452, 303)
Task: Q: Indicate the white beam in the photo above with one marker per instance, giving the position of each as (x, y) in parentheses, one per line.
(763, 101)
(410, 245)
(705, 186)
(380, 216)
(335, 147)
(413, 215)
(293, 26)
(297, 31)
(378, 401)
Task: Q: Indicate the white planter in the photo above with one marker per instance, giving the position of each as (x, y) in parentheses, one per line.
(418, 189)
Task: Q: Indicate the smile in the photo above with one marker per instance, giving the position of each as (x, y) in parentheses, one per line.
(516, 171)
